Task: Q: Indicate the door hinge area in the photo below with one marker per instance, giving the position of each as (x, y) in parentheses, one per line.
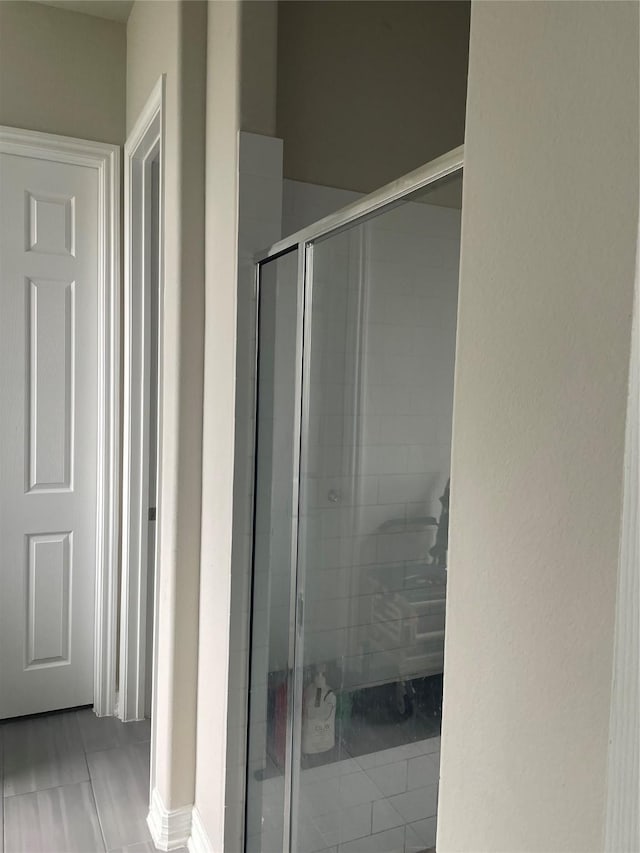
(152, 513)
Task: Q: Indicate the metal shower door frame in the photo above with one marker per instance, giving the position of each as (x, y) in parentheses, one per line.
(303, 241)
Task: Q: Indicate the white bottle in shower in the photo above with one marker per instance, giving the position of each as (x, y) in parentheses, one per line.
(318, 716)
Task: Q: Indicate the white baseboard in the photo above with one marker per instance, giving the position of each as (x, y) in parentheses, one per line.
(199, 841)
(170, 829)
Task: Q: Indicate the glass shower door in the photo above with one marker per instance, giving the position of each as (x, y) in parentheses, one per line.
(274, 538)
(372, 542)
(351, 499)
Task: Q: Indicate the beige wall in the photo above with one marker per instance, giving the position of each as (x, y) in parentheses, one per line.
(152, 50)
(241, 75)
(549, 234)
(170, 37)
(368, 91)
(61, 72)
(223, 122)
(259, 39)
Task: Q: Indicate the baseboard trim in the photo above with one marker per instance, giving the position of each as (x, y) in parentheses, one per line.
(170, 829)
(199, 841)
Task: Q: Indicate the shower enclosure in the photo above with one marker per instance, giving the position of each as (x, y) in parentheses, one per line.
(356, 349)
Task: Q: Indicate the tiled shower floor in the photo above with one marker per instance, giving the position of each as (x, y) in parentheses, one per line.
(382, 802)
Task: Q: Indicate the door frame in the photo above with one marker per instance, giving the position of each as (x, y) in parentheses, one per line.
(144, 144)
(105, 159)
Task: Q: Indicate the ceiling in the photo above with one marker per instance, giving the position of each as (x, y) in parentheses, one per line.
(113, 10)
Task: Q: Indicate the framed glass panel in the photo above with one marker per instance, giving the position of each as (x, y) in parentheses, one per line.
(275, 512)
(372, 542)
(354, 412)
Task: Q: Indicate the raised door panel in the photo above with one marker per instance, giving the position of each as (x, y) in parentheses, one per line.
(51, 224)
(49, 560)
(50, 376)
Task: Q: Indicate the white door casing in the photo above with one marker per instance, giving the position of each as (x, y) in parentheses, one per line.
(58, 422)
(143, 273)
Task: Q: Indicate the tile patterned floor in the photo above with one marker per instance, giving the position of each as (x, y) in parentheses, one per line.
(381, 802)
(74, 783)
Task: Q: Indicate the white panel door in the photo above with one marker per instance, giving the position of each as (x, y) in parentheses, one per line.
(48, 433)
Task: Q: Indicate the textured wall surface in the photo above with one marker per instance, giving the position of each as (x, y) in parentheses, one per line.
(62, 72)
(548, 245)
(221, 283)
(170, 38)
(368, 91)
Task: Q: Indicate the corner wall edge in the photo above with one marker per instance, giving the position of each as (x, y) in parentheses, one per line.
(199, 841)
(170, 828)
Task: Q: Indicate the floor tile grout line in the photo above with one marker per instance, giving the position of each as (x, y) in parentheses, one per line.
(80, 746)
(95, 806)
(119, 745)
(47, 787)
(120, 748)
(84, 746)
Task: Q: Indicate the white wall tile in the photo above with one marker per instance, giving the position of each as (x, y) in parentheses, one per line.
(345, 825)
(356, 788)
(390, 778)
(385, 459)
(309, 838)
(380, 758)
(421, 835)
(422, 771)
(319, 797)
(398, 488)
(333, 770)
(267, 842)
(385, 816)
(391, 841)
(416, 804)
